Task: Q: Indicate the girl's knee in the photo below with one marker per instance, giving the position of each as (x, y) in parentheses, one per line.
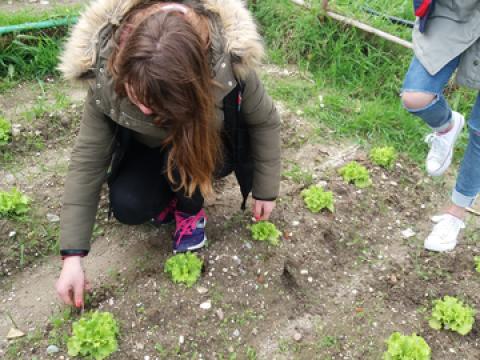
(127, 209)
(417, 100)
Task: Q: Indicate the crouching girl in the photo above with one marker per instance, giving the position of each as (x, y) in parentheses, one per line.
(174, 102)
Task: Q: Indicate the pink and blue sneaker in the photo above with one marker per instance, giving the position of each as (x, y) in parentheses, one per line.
(167, 216)
(189, 232)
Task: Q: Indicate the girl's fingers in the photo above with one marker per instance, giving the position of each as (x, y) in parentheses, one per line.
(66, 295)
(257, 211)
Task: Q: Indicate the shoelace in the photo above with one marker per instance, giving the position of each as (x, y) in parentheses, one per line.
(185, 226)
(437, 144)
(170, 208)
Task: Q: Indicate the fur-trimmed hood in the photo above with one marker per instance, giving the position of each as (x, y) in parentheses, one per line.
(238, 30)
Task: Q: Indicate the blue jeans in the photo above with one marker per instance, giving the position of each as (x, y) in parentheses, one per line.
(438, 116)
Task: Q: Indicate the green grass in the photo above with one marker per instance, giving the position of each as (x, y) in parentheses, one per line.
(31, 55)
(34, 14)
(355, 77)
(28, 57)
(398, 8)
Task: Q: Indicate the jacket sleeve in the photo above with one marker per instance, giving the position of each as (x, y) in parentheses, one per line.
(89, 162)
(263, 123)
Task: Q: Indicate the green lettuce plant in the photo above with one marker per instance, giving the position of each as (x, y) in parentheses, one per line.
(184, 268)
(266, 231)
(13, 203)
(357, 174)
(5, 131)
(404, 347)
(316, 199)
(94, 336)
(384, 156)
(451, 314)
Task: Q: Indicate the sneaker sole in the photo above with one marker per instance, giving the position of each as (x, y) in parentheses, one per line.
(448, 162)
(440, 248)
(193, 248)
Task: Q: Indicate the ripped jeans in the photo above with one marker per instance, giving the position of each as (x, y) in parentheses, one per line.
(438, 116)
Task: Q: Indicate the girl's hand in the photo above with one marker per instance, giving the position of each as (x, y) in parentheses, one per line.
(71, 284)
(262, 209)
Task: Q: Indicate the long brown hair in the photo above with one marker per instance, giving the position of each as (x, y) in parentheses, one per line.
(165, 64)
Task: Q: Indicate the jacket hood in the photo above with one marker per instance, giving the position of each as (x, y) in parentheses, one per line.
(234, 22)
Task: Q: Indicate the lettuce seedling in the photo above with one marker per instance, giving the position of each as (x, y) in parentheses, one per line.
(5, 131)
(357, 174)
(451, 314)
(94, 335)
(403, 347)
(266, 231)
(384, 156)
(477, 263)
(184, 268)
(13, 203)
(316, 199)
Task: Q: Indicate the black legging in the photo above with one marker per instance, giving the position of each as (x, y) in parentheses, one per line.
(141, 190)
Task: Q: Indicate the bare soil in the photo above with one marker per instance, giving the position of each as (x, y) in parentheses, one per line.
(336, 288)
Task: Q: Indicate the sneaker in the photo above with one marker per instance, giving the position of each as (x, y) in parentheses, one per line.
(167, 216)
(445, 233)
(441, 146)
(190, 231)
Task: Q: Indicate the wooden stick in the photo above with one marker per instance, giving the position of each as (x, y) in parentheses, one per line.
(472, 211)
(358, 24)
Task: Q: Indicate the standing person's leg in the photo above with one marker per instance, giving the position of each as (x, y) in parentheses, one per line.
(468, 180)
(445, 232)
(422, 96)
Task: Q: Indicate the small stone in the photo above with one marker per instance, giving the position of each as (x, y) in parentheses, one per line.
(304, 272)
(16, 130)
(146, 357)
(408, 233)
(310, 279)
(295, 223)
(297, 336)
(53, 218)
(202, 290)
(52, 349)
(139, 346)
(207, 305)
(14, 334)
(236, 333)
(44, 2)
(181, 339)
(65, 121)
(12, 234)
(220, 314)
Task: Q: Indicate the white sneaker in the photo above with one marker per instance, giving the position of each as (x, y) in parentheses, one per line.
(441, 146)
(444, 234)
